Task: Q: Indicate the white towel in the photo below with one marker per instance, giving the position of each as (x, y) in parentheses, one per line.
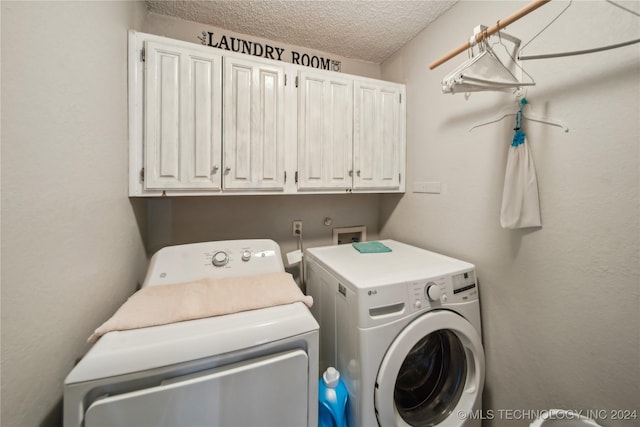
(164, 304)
(520, 202)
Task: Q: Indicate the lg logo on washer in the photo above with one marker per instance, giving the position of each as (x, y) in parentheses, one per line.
(342, 290)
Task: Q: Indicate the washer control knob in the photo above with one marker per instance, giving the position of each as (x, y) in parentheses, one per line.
(220, 259)
(246, 255)
(444, 298)
(433, 291)
(417, 304)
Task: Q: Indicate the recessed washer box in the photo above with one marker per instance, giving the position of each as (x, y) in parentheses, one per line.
(346, 235)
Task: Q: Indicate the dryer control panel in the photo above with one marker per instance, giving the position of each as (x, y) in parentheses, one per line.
(439, 291)
(218, 259)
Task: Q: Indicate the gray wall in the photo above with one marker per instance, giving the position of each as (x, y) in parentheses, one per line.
(198, 219)
(74, 246)
(72, 242)
(560, 304)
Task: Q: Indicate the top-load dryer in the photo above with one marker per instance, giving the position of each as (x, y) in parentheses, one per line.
(403, 329)
(250, 368)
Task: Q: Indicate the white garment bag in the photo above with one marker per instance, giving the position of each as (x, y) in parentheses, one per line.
(520, 202)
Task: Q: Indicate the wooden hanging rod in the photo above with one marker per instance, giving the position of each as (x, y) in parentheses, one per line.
(502, 23)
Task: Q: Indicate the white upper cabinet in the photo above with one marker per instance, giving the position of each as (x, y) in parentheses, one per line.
(253, 125)
(205, 121)
(379, 139)
(350, 133)
(325, 131)
(183, 121)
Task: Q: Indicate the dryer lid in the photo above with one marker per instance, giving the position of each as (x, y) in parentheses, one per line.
(122, 352)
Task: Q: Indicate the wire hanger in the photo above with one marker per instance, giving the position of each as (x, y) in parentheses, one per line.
(521, 104)
(485, 72)
(576, 52)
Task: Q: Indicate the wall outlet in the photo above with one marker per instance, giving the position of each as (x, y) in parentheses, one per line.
(297, 228)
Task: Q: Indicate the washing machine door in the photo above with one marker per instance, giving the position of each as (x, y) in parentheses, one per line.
(432, 374)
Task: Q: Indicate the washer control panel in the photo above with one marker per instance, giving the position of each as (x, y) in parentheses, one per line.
(438, 291)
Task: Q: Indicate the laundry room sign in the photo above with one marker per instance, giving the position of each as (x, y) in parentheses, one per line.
(247, 47)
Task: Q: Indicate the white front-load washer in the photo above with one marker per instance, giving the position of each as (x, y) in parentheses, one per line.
(403, 329)
(251, 368)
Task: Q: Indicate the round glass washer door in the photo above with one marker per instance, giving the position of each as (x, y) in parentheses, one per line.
(432, 371)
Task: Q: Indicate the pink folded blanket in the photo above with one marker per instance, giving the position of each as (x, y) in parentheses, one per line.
(164, 304)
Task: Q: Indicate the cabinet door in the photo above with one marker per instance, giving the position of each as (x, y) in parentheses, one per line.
(183, 121)
(378, 135)
(253, 125)
(325, 131)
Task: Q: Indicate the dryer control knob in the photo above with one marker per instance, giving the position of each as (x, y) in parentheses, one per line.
(433, 291)
(220, 259)
(444, 298)
(417, 304)
(246, 255)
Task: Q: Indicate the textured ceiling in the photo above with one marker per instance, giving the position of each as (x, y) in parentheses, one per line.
(368, 30)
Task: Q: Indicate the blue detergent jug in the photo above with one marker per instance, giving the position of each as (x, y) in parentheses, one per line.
(333, 396)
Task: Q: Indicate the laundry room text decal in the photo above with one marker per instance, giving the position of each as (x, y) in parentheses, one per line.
(264, 50)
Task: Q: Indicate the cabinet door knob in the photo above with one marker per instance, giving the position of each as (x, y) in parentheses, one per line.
(351, 173)
(214, 170)
(227, 170)
(358, 173)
